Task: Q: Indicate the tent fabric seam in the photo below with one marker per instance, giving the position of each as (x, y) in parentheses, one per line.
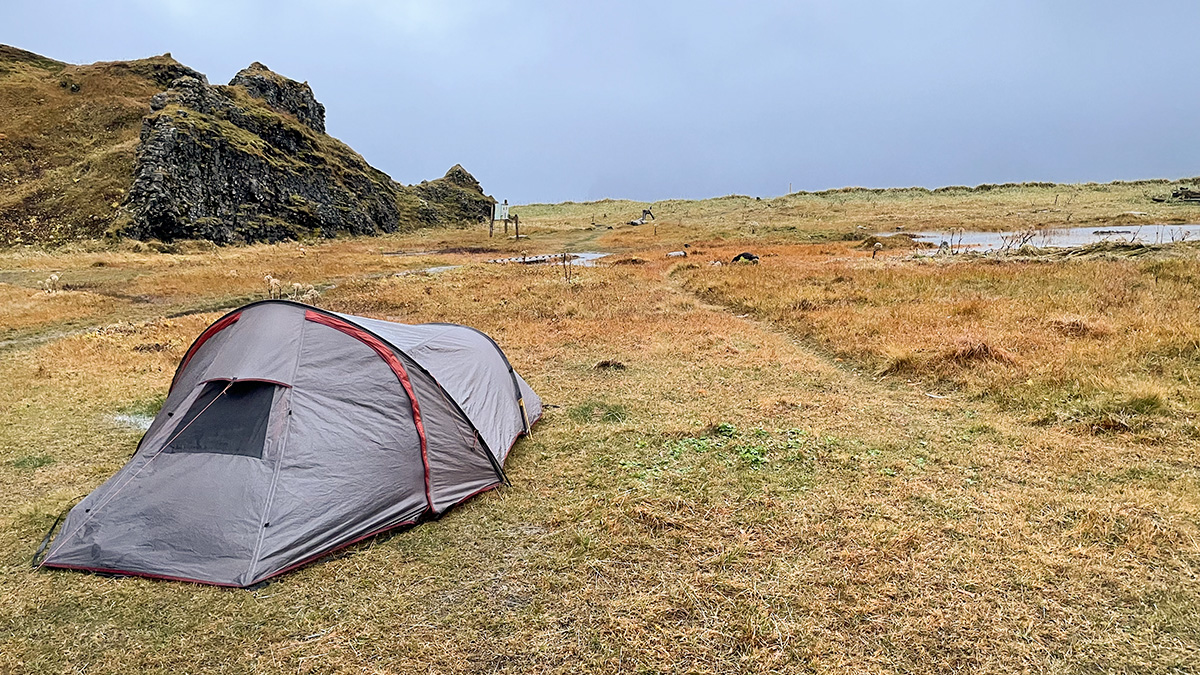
(348, 318)
(248, 379)
(145, 575)
(339, 547)
(220, 325)
(270, 500)
(384, 350)
(512, 374)
(344, 317)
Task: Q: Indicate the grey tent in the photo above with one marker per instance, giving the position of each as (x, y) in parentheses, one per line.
(290, 431)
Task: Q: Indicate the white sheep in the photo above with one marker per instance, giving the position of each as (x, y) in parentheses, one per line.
(50, 284)
(274, 286)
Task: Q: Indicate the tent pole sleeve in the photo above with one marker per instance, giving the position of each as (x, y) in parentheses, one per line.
(384, 351)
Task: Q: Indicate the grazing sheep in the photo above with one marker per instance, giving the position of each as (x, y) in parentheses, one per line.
(274, 286)
(51, 284)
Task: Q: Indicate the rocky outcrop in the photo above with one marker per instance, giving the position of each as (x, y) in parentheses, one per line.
(251, 162)
(282, 94)
(163, 70)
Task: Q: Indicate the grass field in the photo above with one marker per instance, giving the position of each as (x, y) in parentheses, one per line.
(826, 462)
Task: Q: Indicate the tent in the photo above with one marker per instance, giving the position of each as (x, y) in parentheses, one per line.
(290, 431)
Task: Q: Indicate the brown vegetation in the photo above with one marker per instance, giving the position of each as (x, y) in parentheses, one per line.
(1018, 493)
(68, 135)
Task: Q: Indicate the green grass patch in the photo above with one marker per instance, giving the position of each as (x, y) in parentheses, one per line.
(754, 448)
(598, 411)
(148, 407)
(31, 462)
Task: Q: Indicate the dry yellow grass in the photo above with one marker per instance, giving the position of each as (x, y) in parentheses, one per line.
(747, 495)
(851, 211)
(25, 307)
(1100, 343)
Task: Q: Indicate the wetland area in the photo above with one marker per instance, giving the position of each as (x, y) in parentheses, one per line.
(829, 459)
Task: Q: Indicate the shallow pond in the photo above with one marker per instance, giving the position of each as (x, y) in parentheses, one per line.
(1068, 237)
(581, 259)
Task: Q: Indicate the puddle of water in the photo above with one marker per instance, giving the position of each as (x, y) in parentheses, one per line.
(1067, 237)
(428, 270)
(587, 258)
(141, 422)
(584, 259)
(581, 259)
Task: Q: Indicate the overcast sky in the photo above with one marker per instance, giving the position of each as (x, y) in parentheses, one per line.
(653, 100)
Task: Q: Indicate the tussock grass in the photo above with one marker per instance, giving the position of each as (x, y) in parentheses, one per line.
(744, 497)
(1047, 339)
(968, 351)
(598, 412)
(1079, 327)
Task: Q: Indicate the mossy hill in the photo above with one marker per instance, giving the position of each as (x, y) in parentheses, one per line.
(149, 149)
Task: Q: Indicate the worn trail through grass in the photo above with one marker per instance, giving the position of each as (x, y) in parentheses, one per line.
(734, 500)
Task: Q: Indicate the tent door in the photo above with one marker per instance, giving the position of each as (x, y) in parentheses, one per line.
(227, 418)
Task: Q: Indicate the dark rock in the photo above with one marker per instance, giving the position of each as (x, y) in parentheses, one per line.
(457, 191)
(222, 163)
(458, 176)
(745, 257)
(163, 70)
(282, 94)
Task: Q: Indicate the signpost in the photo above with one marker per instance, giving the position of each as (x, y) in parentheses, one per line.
(499, 212)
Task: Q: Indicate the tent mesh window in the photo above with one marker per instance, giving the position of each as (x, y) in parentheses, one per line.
(226, 419)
